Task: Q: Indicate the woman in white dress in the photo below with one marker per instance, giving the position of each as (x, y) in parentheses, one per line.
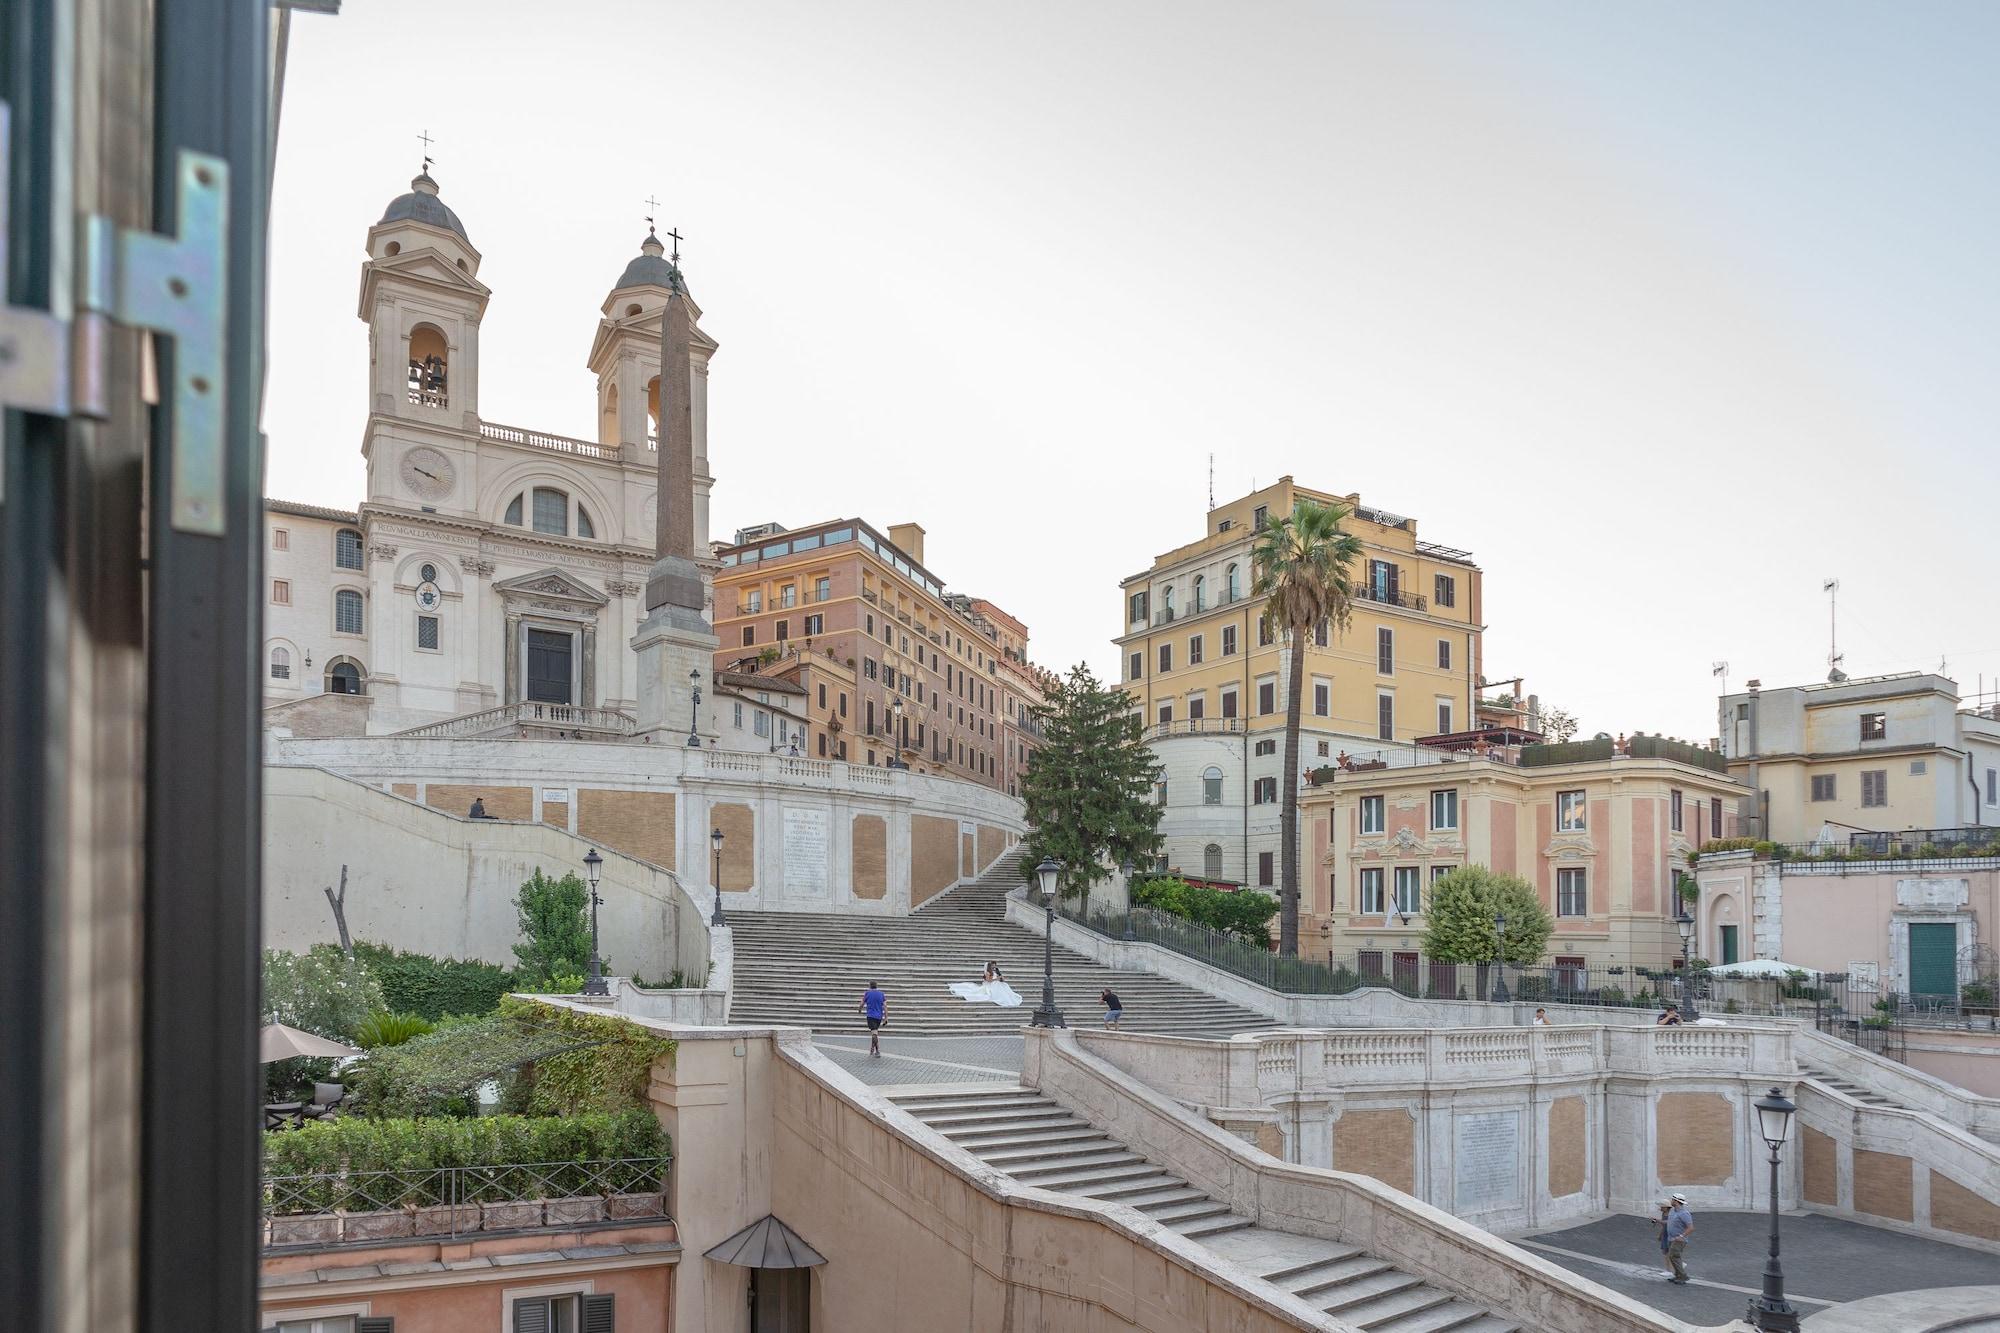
(992, 990)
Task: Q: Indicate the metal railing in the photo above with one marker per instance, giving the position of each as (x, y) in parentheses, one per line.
(1393, 597)
(1929, 842)
(1861, 859)
(1252, 962)
(312, 1211)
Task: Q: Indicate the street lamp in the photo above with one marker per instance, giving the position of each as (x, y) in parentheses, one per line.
(594, 984)
(1048, 1016)
(1771, 1310)
(715, 841)
(1125, 868)
(1686, 925)
(1500, 995)
(896, 735)
(694, 713)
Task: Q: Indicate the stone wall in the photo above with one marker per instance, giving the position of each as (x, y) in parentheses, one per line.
(1897, 1168)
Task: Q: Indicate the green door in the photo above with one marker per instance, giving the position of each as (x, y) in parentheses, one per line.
(1933, 960)
(1728, 943)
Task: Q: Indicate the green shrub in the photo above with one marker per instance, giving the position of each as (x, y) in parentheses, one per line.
(416, 983)
(1727, 844)
(1764, 847)
(1977, 993)
(1929, 849)
(320, 991)
(610, 1075)
(386, 1029)
(1244, 913)
(555, 933)
(1611, 995)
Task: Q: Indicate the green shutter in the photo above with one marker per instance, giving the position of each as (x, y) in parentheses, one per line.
(1933, 959)
(375, 1324)
(532, 1315)
(598, 1314)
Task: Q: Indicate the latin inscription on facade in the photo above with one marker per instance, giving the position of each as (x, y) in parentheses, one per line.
(1486, 1162)
(807, 851)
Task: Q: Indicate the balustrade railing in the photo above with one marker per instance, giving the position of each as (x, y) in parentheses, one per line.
(602, 721)
(561, 444)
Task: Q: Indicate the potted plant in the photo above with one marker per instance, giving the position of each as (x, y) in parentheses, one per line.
(1976, 997)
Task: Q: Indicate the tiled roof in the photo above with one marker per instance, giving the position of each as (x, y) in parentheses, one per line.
(311, 511)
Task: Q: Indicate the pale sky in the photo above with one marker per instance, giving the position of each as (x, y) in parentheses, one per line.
(1666, 312)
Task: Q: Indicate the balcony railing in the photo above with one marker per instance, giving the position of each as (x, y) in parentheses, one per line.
(1393, 597)
(350, 1207)
(605, 721)
(1197, 726)
(1165, 617)
(561, 444)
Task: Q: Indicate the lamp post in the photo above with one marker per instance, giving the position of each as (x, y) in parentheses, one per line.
(896, 734)
(694, 712)
(715, 877)
(594, 984)
(1500, 995)
(1125, 868)
(1686, 925)
(1771, 1311)
(1048, 1016)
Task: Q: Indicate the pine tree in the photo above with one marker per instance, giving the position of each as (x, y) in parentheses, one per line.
(1089, 786)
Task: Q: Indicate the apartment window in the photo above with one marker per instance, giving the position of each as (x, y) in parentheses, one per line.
(281, 592)
(1444, 717)
(1444, 809)
(1444, 590)
(869, 621)
(1572, 892)
(564, 1314)
(347, 549)
(736, 715)
(1570, 817)
(1160, 793)
(1211, 861)
(1166, 712)
(753, 601)
(822, 589)
(1194, 650)
(1323, 750)
(1200, 592)
(1383, 579)
(842, 704)
(784, 630)
(347, 611)
(1918, 767)
(1715, 817)
(1263, 631)
(1374, 816)
(1874, 726)
(427, 632)
(1263, 748)
(1674, 815)
(1319, 635)
(763, 721)
(1385, 651)
(1266, 791)
(1211, 786)
(788, 595)
(1385, 717)
(1439, 872)
(1230, 589)
(1229, 640)
(1197, 708)
(1267, 697)
(1993, 786)
(868, 667)
(281, 539)
(1257, 517)
(1409, 891)
(1444, 654)
(749, 635)
(1138, 666)
(1138, 605)
(1229, 702)
(815, 625)
(1371, 897)
(1264, 869)
(1167, 602)
(822, 694)
(1322, 698)
(1875, 787)
(1166, 657)
(281, 664)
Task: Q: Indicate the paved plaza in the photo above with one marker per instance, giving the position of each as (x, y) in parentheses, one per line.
(1828, 1262)
(911, 1061)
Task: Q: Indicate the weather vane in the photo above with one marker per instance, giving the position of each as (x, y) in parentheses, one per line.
(652, 207)
(428, 141)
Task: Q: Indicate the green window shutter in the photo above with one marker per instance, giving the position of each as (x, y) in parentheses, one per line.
(1933, 959)
(598, 1314)
(375, 1324)
(532, 1315)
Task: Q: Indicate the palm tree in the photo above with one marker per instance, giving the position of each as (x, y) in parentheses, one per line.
(1302, 563)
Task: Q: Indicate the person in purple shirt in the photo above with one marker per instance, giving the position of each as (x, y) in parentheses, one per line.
(875, 1008)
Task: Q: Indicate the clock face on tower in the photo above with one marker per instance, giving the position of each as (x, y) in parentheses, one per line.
(428, 473)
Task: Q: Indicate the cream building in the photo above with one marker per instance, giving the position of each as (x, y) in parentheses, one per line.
(487, 566)
(1874, 754)
(1209, 677)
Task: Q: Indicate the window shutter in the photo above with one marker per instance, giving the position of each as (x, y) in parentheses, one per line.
(531, 1316)
(598, 1314)
(375, 1324)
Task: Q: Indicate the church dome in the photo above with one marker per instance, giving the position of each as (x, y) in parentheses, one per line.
(651, 268)
(422, 204)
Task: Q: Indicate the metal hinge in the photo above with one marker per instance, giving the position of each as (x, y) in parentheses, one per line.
(174, 285)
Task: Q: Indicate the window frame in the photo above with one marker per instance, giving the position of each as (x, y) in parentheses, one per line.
(340, 547)
(1676, 811)
(535, 510)
(360, 601)
(1451, 804)
(1576, 818)
(1211, 785)
(1385, 651)
(1412, 878)
(1572, 891)
(1229, 640)
(437, 633)
(1881, 785)
(1379, 805)
(1874, 726)
(1368, 885)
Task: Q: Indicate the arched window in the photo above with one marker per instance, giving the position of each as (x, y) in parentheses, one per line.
(1211, 786)
(1167, 601)
(551, 511)
(1232, 592)
(513, 514)
(1211, 861)
(347, 608)
(428, 367)
(347, 549)
(583, 525)
(607, 420)
(281, 664)
(344, 677)
(653, 411)
(1200, 592)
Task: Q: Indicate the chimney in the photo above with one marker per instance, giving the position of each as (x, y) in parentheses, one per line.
(909, 537)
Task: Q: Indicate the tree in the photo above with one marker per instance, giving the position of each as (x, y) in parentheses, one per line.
(1557, 725)
(1463, 904)
(555, 932)
(1302, 564)
(1089, 784)
(321, 991)
(1243, 913)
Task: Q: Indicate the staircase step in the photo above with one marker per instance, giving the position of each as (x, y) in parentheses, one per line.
(1452, 1317)
(1283, 1276)
(1215, 1227)
(1361, 1265)
(1415, 1299)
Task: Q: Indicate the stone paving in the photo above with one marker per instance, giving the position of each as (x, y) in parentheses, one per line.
(912, 1061)
(1828, 1261)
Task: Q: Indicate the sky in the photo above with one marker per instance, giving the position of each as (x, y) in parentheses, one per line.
(1668, 313)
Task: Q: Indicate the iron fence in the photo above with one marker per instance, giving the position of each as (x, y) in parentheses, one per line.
(456, 1200)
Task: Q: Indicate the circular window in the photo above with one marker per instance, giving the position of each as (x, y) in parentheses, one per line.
(393, 248)
(632, 309)
(428, 573)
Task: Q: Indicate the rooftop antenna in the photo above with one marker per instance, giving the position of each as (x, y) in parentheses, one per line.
(425, 135)
(1211, 481)
(1834, 657)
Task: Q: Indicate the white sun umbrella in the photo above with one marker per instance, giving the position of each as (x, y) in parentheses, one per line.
(278, 1042)
(1761, 969)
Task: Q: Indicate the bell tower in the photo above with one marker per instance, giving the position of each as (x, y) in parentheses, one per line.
(422, 301)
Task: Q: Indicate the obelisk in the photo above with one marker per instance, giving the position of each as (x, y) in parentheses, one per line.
(675, 642)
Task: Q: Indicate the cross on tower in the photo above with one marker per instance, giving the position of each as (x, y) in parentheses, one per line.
(676, 235)
(425, 135)
(652, 207)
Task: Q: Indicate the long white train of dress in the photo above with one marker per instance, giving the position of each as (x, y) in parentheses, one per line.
(987, 992)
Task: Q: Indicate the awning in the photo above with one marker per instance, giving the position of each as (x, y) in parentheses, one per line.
(767, 1244)
(278, 1042)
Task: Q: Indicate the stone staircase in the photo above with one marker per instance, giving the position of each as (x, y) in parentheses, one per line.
(1039, 1142)
(1867, 1096)
(809, 969)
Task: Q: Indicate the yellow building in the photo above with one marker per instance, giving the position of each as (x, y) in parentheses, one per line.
(1209, 676)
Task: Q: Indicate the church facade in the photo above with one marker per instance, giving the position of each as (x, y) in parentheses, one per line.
(488, 567)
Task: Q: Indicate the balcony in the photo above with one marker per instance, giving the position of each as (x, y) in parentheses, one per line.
(1196, 726)
(561, 444)
(1165, 617)
(1409, 601)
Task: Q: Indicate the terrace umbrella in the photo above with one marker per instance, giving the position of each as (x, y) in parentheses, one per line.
(278, 1042)
(1760, 969)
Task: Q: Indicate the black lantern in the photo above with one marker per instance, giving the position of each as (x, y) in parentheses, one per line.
(1770, 1310)
(593, 868)
(1685, 924)
(694, 713)
(715, 879)
(1046, 875)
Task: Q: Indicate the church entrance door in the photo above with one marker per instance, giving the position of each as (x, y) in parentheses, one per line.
(550, 654)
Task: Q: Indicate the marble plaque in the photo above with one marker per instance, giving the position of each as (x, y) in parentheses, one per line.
(807, 852)
(1486, 1161)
